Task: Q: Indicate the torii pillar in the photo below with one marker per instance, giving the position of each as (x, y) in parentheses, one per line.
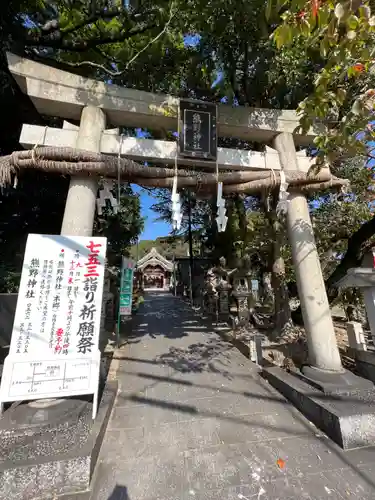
(81, 200)
(324, 357)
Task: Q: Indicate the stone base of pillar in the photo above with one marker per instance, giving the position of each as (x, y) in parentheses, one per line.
(345, 414)
(49, 458)
(329, 382)
(365, 363)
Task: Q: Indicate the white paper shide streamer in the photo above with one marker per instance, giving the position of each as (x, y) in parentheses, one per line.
(175, 197)
(176, 207)
(104, 195)
(221, 218)
(282, 204)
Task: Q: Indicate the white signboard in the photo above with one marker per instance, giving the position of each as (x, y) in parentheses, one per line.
(54, 348)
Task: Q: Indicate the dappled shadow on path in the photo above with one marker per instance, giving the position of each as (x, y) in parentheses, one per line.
(119, 493)
(191, 376)
(329, 398)
(163, 315)
(222, 389)
(168, 360)
(263, 426)
(168, 317)
(195, 358)
(212, 356)
(253, 421)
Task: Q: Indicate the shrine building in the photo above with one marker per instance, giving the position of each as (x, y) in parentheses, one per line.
(156, 271)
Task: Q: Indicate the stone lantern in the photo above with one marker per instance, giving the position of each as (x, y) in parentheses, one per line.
(241, 290)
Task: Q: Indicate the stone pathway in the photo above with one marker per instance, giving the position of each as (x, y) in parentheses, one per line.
(195, 421)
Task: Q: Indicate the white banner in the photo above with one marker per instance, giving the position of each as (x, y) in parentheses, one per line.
(55, 336)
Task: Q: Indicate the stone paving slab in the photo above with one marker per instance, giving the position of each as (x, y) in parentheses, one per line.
(195, 421)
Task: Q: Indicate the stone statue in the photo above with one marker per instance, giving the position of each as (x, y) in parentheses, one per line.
(210, 282)
(221, 269)
(222, 273)
(210, 292)
(223, 286)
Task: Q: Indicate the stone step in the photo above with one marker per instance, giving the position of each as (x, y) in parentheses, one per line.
(347, 417)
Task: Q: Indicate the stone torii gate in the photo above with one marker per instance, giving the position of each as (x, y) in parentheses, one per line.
(58, 93)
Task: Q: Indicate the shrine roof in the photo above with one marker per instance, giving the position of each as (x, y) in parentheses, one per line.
(154, 258)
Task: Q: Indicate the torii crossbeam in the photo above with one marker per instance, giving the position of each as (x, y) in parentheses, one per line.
(58, 93)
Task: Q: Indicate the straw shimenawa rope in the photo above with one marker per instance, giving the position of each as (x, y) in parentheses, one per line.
(68, 161)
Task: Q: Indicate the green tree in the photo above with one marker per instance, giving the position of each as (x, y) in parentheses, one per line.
(34, 28)
(168, 246)
(141, 46)
(342, 33)
(122, 229)
(342, 98)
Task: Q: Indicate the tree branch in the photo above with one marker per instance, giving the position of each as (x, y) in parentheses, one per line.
(84, 45)
(244, 73)
(94, 43)
(51, 36)
(53, 25)
(234, 85)
(101, 14)
(354, 253)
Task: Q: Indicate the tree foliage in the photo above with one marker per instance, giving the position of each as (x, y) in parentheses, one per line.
(36, 205)
(123, 228)
(343, 35)
(169, 247)
(299, 53)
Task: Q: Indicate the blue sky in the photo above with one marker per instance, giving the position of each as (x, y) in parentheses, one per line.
(152, 228)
